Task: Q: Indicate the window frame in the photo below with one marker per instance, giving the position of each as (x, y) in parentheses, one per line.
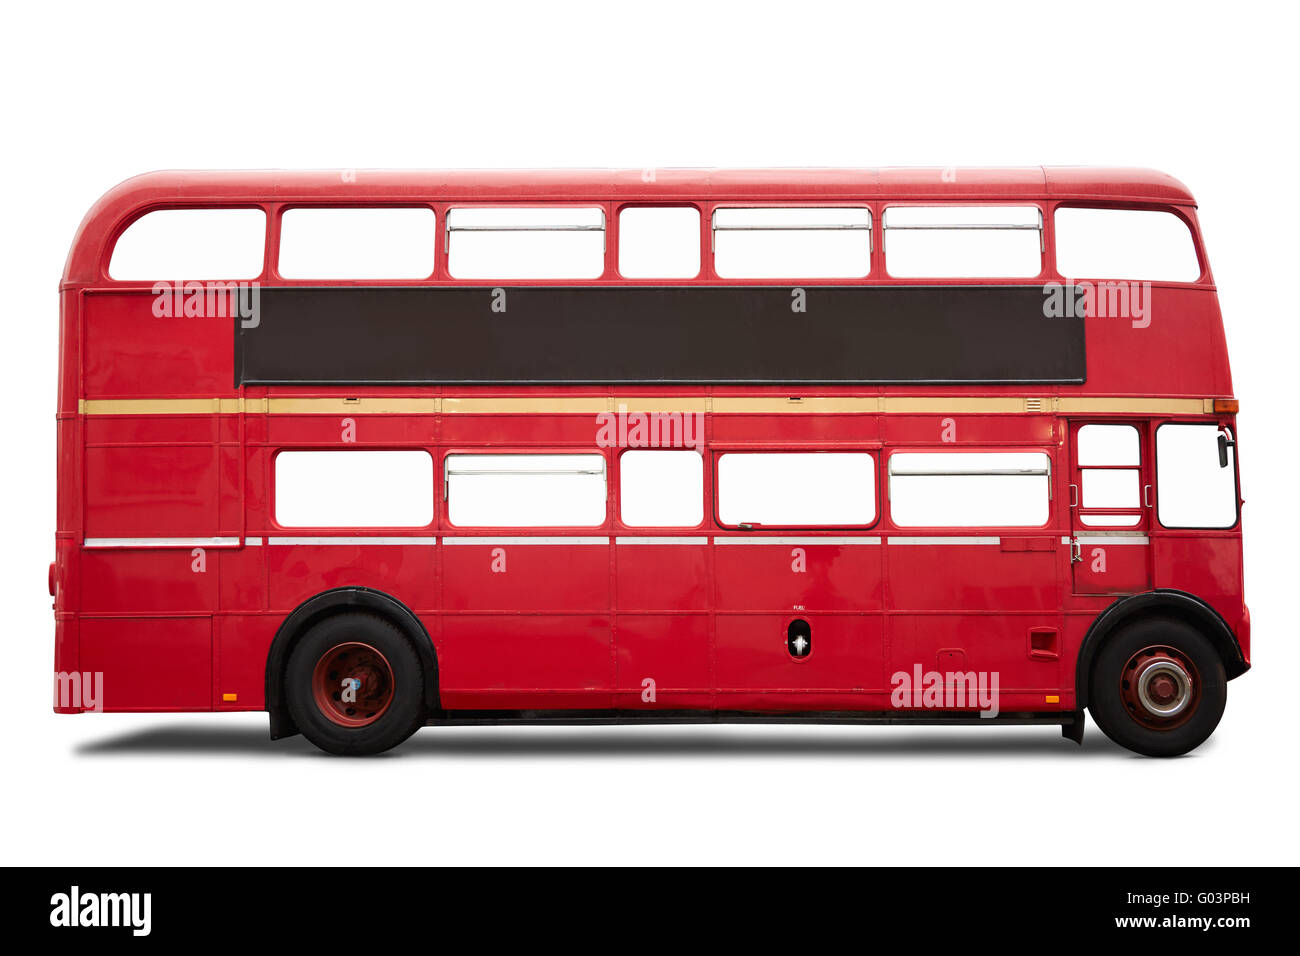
(444, 476)
(1046, 262)
(1189, 223)
(1222, 426)
(614, 250)
(616, 496)
(274, 493)
(282, 210)
(270, 228)
(712, 479)
(1052, 475)
(607, 247)
(1143, 470)
(873, 269)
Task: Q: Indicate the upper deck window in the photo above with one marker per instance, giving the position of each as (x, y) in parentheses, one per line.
(809, 242)
(995, 242)
(515, 242)
(659, 242)
(183, 244)
(1124, 244)
(344, 243)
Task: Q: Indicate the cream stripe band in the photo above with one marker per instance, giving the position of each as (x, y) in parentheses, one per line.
(726, 405)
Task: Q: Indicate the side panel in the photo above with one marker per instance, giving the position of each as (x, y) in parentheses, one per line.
(158, 663)
(526, 624)
(698, 334)
(1207, 565)
(130, 352)
(990, 605)
(663, 632)
(834, 584)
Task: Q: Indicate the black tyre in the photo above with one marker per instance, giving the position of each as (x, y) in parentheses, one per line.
(354, 685)
(1158, 687)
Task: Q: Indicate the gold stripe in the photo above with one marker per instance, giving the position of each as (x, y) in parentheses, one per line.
(354, 406)
(529, 406)
(650, 403)
(166, 406)
(926, 405)
(1135, 406)
(894, 405)
(807, 406)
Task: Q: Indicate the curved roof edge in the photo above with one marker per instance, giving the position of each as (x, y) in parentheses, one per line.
(124, 202)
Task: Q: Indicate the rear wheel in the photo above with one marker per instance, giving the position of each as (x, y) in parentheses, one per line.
(1158, 687)
(354, 685)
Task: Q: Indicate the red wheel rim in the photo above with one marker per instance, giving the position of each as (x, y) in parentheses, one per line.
(1160, 687)
(342, 702)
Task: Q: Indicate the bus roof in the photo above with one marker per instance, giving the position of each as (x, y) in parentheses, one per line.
(126, 201)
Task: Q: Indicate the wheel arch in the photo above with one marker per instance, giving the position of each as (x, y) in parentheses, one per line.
(323, 605)
(1166, 602)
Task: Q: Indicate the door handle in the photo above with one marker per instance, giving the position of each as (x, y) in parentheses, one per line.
(1146, 496)
(1076, 551)
(1074, 496)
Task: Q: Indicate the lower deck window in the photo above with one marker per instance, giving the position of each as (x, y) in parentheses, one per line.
(1110, 476)
(805, 489)
(661, 489)
(498, 491)
(1196, 477)
(969, 489)
(353, 489)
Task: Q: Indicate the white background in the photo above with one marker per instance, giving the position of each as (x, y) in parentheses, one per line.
(99, 92)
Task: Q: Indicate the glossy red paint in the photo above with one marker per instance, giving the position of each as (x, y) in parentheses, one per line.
(187, 626)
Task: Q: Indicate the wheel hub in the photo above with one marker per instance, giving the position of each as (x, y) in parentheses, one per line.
(352, 684)
(1160, 687)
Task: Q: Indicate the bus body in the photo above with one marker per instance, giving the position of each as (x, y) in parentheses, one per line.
(810, 475)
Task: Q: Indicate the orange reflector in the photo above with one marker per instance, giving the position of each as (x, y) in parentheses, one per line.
(1226, 405)
(230, 697)
(1053, 699)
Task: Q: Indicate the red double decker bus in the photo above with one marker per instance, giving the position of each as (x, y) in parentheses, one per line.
(370, 450)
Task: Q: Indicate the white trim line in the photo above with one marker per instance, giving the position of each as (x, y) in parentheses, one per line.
(353, 539)
(527, 540)
(895, 539)
(161, 543)
(1113, 539)
(750, 539)
(663, 539)
(252, 542)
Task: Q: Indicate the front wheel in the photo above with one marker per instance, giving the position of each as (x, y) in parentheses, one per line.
(1158, 688)
(354, 685)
